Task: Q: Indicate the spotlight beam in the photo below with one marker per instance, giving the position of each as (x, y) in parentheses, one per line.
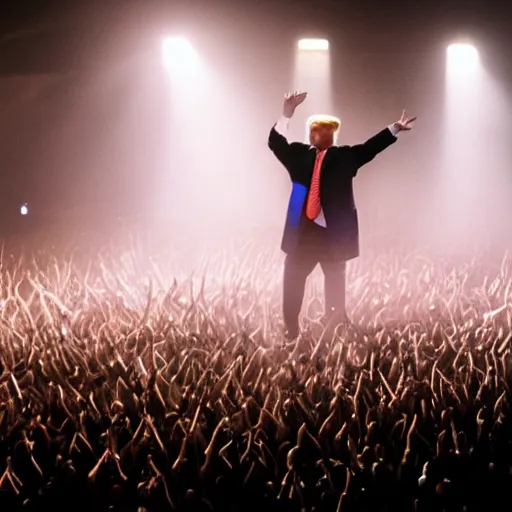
(462, 58)
(313, 45)
(179, 54)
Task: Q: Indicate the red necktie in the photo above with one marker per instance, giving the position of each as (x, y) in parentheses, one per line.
(313, 207)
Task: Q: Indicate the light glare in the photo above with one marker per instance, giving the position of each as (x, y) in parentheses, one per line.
(462, 58)
(314, 45)
(179, 54)
(24, 209)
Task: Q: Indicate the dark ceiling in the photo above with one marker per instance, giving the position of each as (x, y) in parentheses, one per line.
(59, 35)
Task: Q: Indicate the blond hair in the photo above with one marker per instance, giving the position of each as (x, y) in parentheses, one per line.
(323, 120)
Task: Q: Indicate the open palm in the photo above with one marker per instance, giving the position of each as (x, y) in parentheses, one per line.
(291, 101)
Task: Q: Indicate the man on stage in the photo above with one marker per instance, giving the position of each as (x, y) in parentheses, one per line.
(321, 222)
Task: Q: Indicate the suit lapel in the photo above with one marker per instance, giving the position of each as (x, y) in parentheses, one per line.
(327, 156)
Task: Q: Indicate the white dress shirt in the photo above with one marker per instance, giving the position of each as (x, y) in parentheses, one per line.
(281, 127)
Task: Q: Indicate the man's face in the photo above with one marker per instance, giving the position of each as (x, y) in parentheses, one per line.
(321, 135)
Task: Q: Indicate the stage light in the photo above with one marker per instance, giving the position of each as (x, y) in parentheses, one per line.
(179, 54)
(462, 58)
(313, 45)
(24, 209)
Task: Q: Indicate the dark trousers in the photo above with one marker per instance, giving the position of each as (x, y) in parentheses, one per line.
(313, 248)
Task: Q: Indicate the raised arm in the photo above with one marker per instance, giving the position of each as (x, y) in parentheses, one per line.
(364, 153)
(278, 138)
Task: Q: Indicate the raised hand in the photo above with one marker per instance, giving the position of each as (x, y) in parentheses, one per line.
(405, 123)
(291, 101)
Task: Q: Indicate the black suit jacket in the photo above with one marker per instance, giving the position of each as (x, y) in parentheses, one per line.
(339, 168)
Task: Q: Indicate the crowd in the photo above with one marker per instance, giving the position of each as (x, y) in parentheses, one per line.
(122, 390)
